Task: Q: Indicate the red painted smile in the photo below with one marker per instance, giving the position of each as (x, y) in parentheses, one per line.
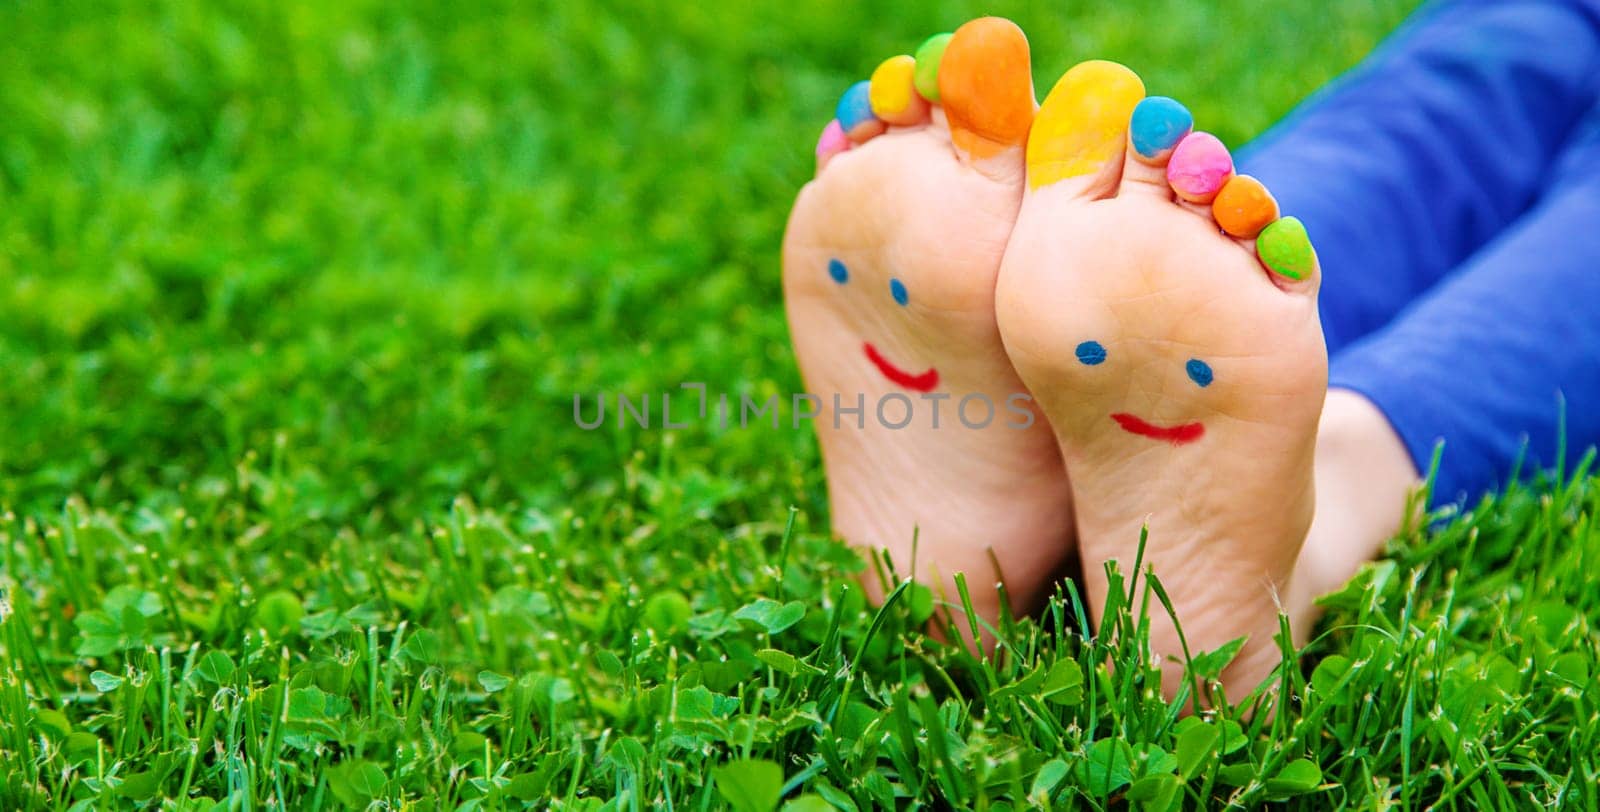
(916, 383)
(1177, 435)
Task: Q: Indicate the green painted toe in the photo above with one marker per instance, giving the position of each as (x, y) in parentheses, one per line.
(928, 55)
(1286, 249)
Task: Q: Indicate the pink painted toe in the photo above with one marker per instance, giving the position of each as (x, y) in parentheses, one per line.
(1199, 167)
(833, 140)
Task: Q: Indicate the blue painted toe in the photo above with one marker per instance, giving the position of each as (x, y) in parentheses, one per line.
(854, 106)
(1158, 124)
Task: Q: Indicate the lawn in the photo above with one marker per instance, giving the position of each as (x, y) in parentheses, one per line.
(295, 513)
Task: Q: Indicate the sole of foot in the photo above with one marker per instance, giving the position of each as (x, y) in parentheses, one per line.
(1165, 317)
(889, 267)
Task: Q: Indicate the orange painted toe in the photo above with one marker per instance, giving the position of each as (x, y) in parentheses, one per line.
(986, 86)
(1244, 207)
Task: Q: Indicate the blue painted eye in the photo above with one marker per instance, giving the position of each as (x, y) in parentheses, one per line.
(897, 289)
(1091, 353)
(838, 271)
(1199, 371)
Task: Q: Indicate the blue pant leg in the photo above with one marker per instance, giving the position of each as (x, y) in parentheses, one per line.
(1429, 148)
(1482, 360)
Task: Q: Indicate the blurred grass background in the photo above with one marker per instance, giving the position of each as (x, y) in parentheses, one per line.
(296, 298)
(393, 239)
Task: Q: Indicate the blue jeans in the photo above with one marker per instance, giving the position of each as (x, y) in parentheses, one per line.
(1451, 185)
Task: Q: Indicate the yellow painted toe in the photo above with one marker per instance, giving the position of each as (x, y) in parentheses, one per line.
(893, 92)
(1083, 123)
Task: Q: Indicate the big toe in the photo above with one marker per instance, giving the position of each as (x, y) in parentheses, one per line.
(1079, 133)
(985, 82)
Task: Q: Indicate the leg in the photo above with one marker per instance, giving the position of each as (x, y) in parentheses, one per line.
(1430, 148)
(1478, 363)
(889, 267)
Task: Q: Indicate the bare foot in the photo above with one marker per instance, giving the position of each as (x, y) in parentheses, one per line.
(1166, 320)
(889, 267)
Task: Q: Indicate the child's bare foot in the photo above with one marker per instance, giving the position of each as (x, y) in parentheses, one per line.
(1166, 319)
(889, 267)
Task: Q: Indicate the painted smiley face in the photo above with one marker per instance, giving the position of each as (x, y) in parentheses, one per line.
(917, 382)
(1092, 353)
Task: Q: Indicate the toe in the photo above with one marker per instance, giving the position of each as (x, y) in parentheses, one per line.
(929, 54)
(1285, 248)
(1199, 167)
(855, 115)
(1243, 207)
(1156, 126)
(985, 83)
(1081, 129)
(832, 142)
(893, 93)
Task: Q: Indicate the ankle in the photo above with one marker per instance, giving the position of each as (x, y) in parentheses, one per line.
(1364, 480)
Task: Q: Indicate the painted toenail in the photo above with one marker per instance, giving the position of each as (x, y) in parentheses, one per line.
(1199, 372)
(897, 289)
(1158, 124)
(833, 139)
(892, 93)
(1091, 353)
(928, 55)
(1244, 207)
(1200, 166)
(1081, 126)
(1285, 248)
(986, 86)
(855, 112)
(838, 271)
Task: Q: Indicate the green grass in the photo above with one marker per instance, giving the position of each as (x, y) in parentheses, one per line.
(294, 513)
